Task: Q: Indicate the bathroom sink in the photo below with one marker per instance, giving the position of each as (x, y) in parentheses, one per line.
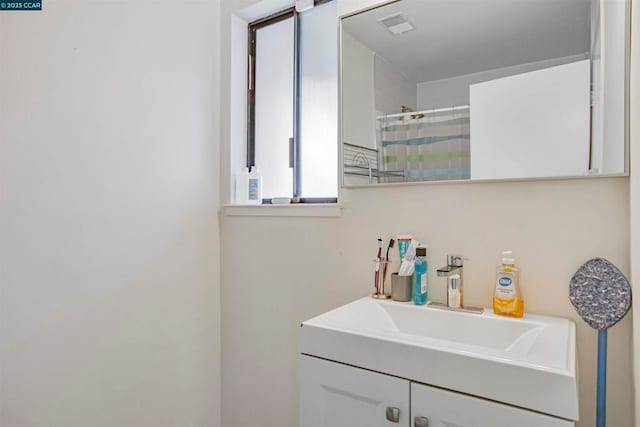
(528, 362)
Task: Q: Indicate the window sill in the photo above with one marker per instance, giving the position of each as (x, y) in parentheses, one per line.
(319, 210)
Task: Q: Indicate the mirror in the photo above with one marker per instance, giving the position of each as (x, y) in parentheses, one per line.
(436, 90)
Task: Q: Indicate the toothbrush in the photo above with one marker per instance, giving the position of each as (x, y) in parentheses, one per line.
(377, 275)
(392, 243)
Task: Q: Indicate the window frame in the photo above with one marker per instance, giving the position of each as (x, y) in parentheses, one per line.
(294, 141)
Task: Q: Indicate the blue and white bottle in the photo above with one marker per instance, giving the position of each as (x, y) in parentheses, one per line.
(420, 277)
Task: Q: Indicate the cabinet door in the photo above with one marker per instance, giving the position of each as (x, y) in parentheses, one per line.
(434, 407)
(336, 395)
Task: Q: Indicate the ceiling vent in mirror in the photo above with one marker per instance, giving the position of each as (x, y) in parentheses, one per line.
(396, 24)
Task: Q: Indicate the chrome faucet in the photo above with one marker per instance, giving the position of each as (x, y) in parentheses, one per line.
(453, 272)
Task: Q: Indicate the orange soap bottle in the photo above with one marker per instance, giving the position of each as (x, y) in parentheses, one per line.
(507, 298)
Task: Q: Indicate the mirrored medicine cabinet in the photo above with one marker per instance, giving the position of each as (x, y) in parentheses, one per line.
(442, 90)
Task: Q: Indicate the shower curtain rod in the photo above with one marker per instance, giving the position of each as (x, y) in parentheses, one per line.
(414, 113)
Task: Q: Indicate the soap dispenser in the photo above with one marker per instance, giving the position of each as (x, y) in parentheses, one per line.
(507, 297)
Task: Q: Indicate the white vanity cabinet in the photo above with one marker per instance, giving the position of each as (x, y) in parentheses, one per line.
(434, 407)
(337, 395)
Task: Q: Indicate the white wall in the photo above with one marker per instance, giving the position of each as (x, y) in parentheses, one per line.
(455, 91)
(370, 86)
(358, 119)
(109, 149)
(309, 265)
(393, 89)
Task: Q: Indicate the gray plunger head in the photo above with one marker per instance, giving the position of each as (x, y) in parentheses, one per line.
(600, 293)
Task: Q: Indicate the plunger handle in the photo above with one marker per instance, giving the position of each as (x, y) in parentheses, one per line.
(601, 402)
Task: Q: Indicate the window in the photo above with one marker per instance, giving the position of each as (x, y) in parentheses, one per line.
(292, 103)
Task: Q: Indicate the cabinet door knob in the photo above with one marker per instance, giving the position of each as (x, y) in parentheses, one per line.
(421, 422)
(393, 414)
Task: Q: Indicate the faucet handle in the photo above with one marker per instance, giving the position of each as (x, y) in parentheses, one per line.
(454, 260)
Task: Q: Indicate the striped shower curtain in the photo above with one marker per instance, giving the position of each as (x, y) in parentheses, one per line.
(426, 146)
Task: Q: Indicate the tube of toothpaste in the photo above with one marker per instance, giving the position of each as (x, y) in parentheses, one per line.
(407, 267)
(404, 241)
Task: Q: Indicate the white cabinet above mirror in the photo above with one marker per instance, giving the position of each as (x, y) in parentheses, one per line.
(436, 90)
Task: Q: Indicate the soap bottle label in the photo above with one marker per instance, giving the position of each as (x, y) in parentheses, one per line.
(253, 189)
(505, 287)
(423, 283)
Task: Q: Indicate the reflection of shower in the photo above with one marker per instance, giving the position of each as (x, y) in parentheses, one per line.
(360, 159)
(421, 114)
(415, 116)
(428, 145)
(365, 162)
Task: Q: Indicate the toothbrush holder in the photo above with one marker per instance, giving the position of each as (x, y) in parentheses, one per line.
(401, 287)
(381, 271)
